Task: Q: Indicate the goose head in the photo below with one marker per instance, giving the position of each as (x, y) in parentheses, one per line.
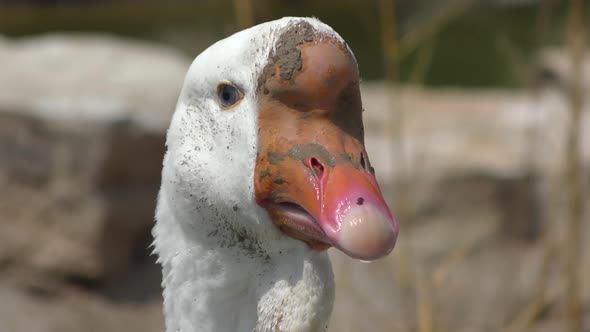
(266, 163)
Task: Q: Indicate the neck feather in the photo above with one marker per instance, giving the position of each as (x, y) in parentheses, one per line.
(212, 286)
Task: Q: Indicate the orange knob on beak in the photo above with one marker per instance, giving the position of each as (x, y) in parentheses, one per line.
(313, 174)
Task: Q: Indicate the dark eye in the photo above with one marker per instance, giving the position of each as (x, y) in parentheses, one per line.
(228, 95)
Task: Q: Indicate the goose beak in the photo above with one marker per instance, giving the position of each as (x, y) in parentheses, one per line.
(313, 174)
(328, 199)
(354, 215)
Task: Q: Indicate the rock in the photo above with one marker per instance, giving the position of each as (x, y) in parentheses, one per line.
(462, 150)
(74, 311)
(82, 125)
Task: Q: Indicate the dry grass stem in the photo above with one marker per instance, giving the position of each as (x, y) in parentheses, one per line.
(452, 260)
(423, 61)
(389, 39)
(541, 299)
(244, 13)
(425, 302)
(411, 40)
(574, 169)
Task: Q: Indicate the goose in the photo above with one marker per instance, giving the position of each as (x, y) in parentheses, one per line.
(265, 170)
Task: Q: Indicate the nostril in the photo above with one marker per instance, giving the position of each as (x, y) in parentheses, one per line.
(316, 167)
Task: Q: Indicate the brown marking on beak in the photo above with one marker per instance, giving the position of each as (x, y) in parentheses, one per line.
(311, 161)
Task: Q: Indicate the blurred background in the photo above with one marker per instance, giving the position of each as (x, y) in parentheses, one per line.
(477, 122)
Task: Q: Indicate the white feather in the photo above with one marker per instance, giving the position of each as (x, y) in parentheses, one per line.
(225, 266)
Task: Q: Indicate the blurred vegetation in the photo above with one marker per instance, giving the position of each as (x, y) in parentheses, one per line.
(463, 43)
(478, 48)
